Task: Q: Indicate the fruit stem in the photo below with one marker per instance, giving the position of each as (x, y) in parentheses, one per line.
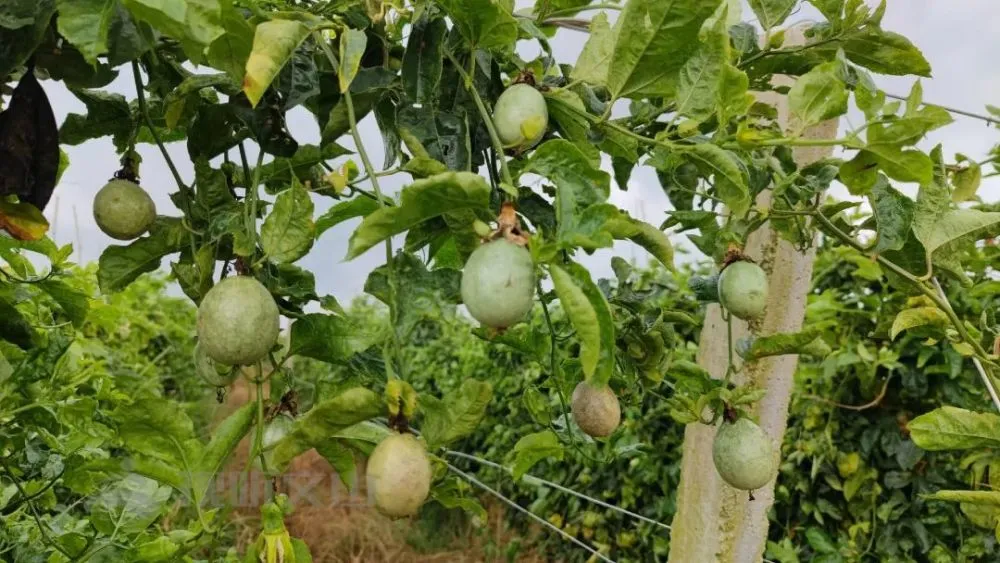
(485, 115)
(253, 196)
(373, 178)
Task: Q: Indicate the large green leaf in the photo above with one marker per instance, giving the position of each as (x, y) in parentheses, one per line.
(730, 181)
(288, 232)
(806, 341)
(905, 165)
(161, 436)
(533, 448)
(818, 95)
(653, 40)
(952, 428)
(107, 114)
(772, 13)
(701, 77)
(128, 506)
(437, 134)
(423, 59)
(121, 265)
(22, 27)
(485, 24)
(579, 183)
(343, 211)
(352, 47)
(645, 235)
(325, 420)
(457, 416)
(567, 111)
(225, 437)
(329, 338)
(85, 24)
(229, 53)
(886, 52)
(74, 303)
(420, 201)
(274, 43)
(592, 65)
(195, 23)
(915, 317)
(590, 315)
(420, 294)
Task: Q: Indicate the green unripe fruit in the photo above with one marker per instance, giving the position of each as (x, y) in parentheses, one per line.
(213, 373)
(596, 409)
(744, 455)
(237, 321)
(743, 290)
(498, 283)
(521, 117)
(123, 210)
(399, 476)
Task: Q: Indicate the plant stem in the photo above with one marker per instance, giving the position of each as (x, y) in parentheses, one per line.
(486, 117)
(772, 52)
(373, 179)
(252, 196)
(259, 438)
(140, 92)
(571, 11)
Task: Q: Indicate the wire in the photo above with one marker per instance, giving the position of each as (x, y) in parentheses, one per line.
(562, 488)
(985, 118)
(527, 512)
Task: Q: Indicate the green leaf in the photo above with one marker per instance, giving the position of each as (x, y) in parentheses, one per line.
(128, 506)
(14, 327)
(645, 235)
(967, 180)
(653, 40)
(423, 59)
(860, 174)
(918, 316)
(885, 52)
(107, 114)
(984, 498)
(951, 428)
(956, 226)
(229, 53)
(567, 111)
(328, 338)
(782, 343)
(121, 265)
(75, 304)
(533, 448)
(485, 24)
(420, 294)
(453, 493)
(343, 211)
(772, 13)
(352, 47)
(730, 181)
(700, 83)
(590, 315)
(288, 232)
(274, 44)
(893, 217)
(85, 24)
(420, 201)
(440, 135)
(160, 433)
(323, 421)
(21, 31)
(592, 65)
(457, 416)
(341, 458)
(901, 164)
(818, 95)
(225, 438)
(580, 183)
(195, 23)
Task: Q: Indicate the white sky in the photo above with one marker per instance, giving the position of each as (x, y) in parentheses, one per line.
(959, 38)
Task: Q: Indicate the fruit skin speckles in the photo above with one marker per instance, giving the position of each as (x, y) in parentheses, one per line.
(498, 284)
(238, 321)
(596, 409)
(521, 117)
(399, 475)
(123, 210)
(743, 290)
(744, 455)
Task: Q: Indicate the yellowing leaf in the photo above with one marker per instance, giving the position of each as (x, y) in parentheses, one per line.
(920, 316)
(352, 47)
(274, 43)
(22, 220)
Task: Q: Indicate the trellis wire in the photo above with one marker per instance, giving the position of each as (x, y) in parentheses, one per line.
(979, 365)
(985, 118)
(559, 487)
(529, 513)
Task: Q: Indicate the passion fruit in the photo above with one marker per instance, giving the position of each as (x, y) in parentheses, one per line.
(237, 321)
(521, 117)
(498, 283)
(399, 476)
(596, 409)
(743, 290)
(744, 455)
(123, 210)
(215, 374)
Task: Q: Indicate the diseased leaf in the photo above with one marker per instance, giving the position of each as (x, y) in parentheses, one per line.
(919, 316)
(107, 114)
(593, 63)
(437, 134)
(457, 416)
(274, 44)
(288, 232)
(420, 294)
(531, 449)
(195, 23)
(329, 338)
(420, 201)
(893, 217)
(700, 83)
(772, 13)
(22, 221)
(952, 428)
(121, 265)
(818, 95)
(423, 59)
(901, 164)
(653, 40)
(886, 52)
(343, 211)
(352, 48)
(730, 180)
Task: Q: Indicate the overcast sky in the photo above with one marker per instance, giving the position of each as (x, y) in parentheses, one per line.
(958, 38)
